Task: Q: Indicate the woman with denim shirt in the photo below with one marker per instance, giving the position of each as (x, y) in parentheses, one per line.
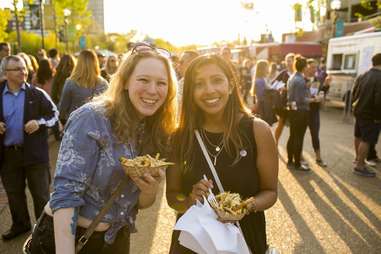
(134, 116)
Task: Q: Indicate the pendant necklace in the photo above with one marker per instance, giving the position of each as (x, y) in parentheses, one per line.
(218, 148)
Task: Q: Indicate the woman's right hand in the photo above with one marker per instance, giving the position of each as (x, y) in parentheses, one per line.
(199, 191)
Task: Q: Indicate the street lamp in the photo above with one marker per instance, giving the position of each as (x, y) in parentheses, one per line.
(78, 28)
(67, 13)
(335, 6)
(16, 7)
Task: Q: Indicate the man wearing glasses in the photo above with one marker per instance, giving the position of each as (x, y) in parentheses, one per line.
(25, 114)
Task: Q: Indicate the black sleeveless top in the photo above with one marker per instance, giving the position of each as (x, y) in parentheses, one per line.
(240, 177)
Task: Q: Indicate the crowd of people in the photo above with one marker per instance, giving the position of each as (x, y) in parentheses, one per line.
(149, 102)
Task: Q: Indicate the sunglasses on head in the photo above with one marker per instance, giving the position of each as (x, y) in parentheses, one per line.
(144, 47)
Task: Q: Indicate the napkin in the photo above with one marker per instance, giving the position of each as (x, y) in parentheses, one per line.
(202, 233)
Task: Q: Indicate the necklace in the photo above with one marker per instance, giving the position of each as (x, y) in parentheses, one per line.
(218, 148)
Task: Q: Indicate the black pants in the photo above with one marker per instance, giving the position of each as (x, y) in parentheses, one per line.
(298, 126)
(14, 176)
(372, 154)
(43, 240)
(314, 126)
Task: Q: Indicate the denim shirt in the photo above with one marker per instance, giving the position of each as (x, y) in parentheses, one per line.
(298, 92)
(88, 171)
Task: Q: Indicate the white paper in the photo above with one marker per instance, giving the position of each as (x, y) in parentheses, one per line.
(191, 243)
(314, 91)
(277, 85)
(203, 233)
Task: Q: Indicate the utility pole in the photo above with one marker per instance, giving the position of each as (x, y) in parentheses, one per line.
(55, 22)
(349, 14)
(17, 26)
(42, 24)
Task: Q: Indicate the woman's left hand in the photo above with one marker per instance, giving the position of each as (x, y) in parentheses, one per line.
(147, 183)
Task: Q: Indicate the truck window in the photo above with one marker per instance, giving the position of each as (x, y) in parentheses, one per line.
(336, 61)
(350, 62)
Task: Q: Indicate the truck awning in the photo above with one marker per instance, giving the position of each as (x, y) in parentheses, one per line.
(306, 50)
(280, 50)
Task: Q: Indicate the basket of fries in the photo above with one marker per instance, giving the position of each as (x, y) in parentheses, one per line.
(229, 206)
(140, 165)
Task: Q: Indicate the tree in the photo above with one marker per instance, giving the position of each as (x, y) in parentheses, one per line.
(5, 16)
(79, 15)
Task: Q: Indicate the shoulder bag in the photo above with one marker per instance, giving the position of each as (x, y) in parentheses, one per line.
(90, 230)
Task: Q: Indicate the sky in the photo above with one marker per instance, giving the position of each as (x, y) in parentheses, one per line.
(203, 22)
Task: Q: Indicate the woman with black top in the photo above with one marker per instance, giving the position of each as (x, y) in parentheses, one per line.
(63, 71)
(241, 147)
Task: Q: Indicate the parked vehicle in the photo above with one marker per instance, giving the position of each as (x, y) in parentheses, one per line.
(348, 57)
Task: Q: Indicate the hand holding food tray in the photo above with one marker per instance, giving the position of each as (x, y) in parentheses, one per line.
(144, 164)
(230, 206)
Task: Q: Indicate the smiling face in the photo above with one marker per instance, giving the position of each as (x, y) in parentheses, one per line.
(211, 90)
(148, 86)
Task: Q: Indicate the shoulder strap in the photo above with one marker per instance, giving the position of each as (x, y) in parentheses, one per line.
(213, 169)
(90, 230)
(209, 161)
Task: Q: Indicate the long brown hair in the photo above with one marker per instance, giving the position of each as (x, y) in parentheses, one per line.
(63, 71)
(262, 69)
(191, 117)
(86, 73)
(122, 114)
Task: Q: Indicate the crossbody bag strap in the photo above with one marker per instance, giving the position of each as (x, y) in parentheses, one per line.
(90, 230)
(209, 161)
(213, 169)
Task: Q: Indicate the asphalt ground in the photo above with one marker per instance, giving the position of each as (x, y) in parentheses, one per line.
(326, 210)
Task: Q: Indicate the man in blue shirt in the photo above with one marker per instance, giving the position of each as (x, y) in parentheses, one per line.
(25, 114)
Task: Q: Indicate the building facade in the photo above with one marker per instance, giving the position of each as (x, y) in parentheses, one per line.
(97, 9)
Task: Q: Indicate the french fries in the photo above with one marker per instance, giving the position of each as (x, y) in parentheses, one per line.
(143, 164)
(230, 206)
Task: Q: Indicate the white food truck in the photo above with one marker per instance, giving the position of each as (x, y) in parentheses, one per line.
(348, 57)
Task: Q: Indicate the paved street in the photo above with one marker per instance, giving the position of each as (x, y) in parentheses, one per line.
(323, 211)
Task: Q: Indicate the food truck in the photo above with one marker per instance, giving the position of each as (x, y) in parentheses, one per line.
(348, 57)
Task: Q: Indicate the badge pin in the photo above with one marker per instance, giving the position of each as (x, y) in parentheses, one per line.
(243, 153)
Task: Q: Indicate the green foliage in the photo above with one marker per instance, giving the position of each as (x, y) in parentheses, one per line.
(31, 42)
(79, 15)
(5, 15)
(297, 12)
(366, 4)
(376, 22)
(113, 41)
(161, 43)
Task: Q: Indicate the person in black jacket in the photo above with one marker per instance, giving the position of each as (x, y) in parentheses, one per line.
(25, 114)
(367, 110)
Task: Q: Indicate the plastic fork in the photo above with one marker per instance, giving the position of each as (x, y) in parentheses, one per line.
(211, 198)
